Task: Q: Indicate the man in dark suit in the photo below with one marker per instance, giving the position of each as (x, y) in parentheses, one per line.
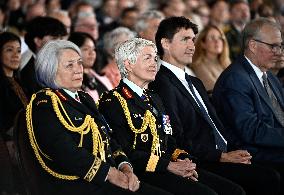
(249, 98)
(196, 126)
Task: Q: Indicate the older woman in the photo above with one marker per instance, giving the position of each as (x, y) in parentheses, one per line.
(140, 125)
(69, 137)
(211, 55)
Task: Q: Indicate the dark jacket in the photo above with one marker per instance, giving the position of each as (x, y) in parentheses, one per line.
(244, 106)
(192, 132)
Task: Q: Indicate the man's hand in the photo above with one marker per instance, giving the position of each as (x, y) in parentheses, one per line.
(133, 182)
(237, 156)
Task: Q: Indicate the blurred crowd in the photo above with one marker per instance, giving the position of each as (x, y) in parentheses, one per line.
(220, 23)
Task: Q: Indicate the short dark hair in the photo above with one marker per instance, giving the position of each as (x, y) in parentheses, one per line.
(6, 37)
(43, 26)
(79, 38)
(169, 27)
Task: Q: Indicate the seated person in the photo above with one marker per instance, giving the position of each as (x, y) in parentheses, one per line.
(12, 100)
(69, 137)
(140, 125)
(93, 83)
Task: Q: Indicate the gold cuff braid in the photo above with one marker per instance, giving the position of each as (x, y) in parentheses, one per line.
(152, 163)
(118, 153)
(176, 153)
(93, 170)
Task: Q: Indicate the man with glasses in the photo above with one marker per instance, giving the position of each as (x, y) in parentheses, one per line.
(249, 98)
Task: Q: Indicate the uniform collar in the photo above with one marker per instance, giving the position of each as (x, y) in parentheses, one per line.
(133, 86)
(70, 93)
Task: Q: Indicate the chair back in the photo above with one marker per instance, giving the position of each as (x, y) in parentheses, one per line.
(6, 178)
(28, 166)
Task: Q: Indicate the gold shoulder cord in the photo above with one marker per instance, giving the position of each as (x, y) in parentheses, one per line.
(148, 120)
(89, 124)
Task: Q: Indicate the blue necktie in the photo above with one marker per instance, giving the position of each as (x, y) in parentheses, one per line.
(218, 139)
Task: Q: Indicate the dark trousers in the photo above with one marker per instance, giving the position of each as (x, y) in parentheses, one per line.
(145, 189)
(253, 178)
(104, 189)
(208, 184)
(6, 171)
(279, 167)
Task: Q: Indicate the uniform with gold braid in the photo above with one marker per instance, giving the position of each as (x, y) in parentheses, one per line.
(140, 129)
(70, 141)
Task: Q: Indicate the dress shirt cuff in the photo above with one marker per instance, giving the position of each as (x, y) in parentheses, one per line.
(122, 163)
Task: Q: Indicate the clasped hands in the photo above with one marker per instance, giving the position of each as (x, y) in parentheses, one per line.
(124, 178)
(237, 156)
(185, 168)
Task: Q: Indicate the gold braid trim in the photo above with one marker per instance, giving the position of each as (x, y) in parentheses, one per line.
(152, 163)
(93, 170)
(148, 120)
(89, 124)
(176, 153)
(118, 153)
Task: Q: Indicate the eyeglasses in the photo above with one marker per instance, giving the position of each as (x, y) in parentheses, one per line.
(274, 47)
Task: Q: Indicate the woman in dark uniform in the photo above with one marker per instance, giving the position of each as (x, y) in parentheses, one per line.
(141, 126)
(69, 137)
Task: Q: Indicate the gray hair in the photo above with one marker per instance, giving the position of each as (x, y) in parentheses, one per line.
(129, 50)
(142, 22)
(47, 61)
(112, 39)
(253, 30)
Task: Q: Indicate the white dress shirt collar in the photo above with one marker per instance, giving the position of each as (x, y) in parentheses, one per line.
(257, 70)
(180, 73)
(72, 94)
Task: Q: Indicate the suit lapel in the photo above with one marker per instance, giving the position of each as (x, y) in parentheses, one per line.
(177, 83)
(256, 82)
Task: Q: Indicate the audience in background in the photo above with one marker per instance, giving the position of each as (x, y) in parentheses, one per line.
(12, 96)
(39, 31)
(63, 17)
(86, 22)
(12, 100)
(93, 83)
(219, 13)
(147, 24)
(239, 17)
(211, 55)
(111, 41)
